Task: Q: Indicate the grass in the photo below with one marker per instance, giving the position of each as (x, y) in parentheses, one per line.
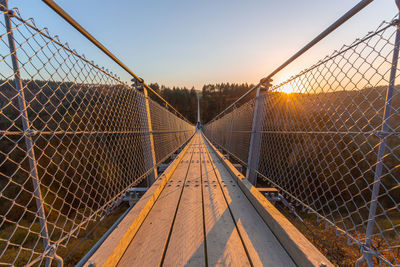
(336, 247)
(75, 250)
(78, 247)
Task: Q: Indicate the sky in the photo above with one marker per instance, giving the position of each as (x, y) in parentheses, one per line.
(192, 43)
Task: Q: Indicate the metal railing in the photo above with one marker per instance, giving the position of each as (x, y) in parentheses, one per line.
(329, 139)
(73, 138)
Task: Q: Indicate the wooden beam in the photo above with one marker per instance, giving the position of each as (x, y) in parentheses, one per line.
(301, 250)
(115, 245)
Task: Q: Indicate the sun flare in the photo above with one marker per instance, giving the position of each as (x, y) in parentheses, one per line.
(287, 89)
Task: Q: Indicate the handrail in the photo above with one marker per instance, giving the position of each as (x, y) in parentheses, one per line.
(94, 41)
(313, 42)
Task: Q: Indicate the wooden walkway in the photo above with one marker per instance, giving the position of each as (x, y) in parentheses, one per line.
(203, 218)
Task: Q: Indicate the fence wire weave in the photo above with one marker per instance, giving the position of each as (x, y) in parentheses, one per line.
(233, 131)
(323, 133)
(73, 139)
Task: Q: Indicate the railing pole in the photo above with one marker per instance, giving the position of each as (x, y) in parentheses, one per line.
(198, 112)
(148, 153)
(255, 140)
(367, 256)
(27, 133)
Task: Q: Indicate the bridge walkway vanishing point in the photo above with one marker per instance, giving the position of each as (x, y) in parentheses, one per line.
(201, 217)
(77, 140)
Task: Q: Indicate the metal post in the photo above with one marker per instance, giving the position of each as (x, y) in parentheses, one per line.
(148, 153)
(367, 256)
(27, 131)
(198, 112)
(255, 140)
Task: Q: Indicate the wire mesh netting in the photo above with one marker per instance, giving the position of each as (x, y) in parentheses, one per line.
(168, 130)
(73, 138)
(327, 144)
(233, 131)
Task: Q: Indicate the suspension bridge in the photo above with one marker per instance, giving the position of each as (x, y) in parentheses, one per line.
(77, 142)
(202, 216)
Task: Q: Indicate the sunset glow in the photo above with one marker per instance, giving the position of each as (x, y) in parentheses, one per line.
(287, 90)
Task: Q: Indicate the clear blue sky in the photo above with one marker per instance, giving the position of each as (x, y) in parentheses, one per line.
(190, 43)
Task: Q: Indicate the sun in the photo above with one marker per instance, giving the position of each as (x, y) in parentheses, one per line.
(287, 89)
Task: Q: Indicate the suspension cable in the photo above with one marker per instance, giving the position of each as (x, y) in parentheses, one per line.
(94, 41)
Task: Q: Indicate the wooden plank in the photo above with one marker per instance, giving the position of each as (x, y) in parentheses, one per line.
(153, 234)
(186, 244)
(261, 244)
(224, 246)
(112, 249)
(302, 251)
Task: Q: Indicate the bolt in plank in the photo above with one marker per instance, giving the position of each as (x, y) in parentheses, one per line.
(153, 233)
(224, 246)
(262, 246)
(186, 244)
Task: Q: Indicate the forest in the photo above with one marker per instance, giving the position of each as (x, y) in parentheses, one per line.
(72, 187)
(214, 98)
(69, 192)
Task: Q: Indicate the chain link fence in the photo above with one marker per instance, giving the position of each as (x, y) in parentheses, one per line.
(73, 138)
(330, 141)
(170, 130)
(233, 131)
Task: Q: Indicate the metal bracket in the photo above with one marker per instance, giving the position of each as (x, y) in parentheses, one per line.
(272, 194)
(133, 195)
